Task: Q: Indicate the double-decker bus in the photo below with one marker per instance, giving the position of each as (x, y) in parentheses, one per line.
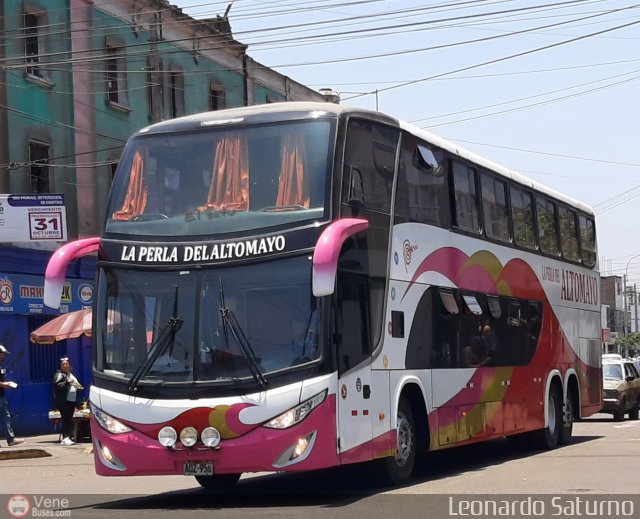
(297, 286)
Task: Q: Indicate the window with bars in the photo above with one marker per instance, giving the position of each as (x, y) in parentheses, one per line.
(39, 167)
(176, 92)
(217, 99)
(32, 43)
(116, 74)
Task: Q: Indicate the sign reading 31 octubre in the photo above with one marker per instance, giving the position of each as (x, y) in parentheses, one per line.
(32, 217)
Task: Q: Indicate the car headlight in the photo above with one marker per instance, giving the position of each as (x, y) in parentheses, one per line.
(109, 423)
(296, 414)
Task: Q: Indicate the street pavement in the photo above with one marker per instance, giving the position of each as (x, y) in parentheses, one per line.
(41, 447)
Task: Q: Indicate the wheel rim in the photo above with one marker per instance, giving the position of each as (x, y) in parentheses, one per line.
(405, 440)
(551, 414)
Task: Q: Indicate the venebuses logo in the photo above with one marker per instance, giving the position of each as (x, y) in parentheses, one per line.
(18, 506)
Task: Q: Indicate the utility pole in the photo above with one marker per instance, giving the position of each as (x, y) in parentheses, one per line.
(624, 304)
(635, 299)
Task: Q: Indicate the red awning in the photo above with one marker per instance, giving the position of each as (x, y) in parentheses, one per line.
(65, 326)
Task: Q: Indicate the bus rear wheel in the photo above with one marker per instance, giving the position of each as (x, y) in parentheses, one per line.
(549, 437)
(218, 483)
(397, 470)
(566, 427)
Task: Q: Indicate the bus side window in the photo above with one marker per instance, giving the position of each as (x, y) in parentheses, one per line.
(465, 197)
(447, 321)
(422, 337)
(547, 225)
(522, 216)
(352, 320)
(569, 234)
(588, 240)
(494, 207)
(421, 187)
(369, 165)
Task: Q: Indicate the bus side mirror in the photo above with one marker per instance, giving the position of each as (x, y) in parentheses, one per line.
(57, 267)
(325, 257)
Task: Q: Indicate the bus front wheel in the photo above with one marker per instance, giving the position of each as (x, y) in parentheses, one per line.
(218, 483)
(399, 468)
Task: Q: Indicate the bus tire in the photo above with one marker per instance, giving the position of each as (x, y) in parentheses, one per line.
(549, 437)
(397, 470)
(218, 483)
(566, 427)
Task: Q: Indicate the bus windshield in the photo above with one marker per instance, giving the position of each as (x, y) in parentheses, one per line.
(216, 325)
(222, 180)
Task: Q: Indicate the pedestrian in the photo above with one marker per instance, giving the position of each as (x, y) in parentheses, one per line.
(5, 417)
(66, 390)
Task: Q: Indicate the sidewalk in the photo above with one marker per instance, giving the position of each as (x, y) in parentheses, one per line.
(41, 447)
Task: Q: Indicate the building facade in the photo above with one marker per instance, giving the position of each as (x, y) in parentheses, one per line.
(614, 316)
(77, 78)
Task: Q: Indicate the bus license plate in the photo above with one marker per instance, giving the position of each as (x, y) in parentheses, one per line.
(198, 468)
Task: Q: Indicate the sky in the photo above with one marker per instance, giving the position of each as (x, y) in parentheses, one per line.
(547, 88)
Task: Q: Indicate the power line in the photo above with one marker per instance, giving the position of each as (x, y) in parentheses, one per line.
(504, 58)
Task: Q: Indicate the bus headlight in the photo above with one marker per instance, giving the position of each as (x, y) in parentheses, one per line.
(210, 437)
(108, 422)
(167, 436)
(188, 436)
(296, 414)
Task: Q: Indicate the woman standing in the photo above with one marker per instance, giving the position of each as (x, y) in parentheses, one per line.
(65, 392)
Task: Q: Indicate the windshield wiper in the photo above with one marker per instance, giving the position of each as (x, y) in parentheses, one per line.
(165, 339)
(229, 321)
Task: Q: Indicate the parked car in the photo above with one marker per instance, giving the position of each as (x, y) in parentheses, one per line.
(621, 388)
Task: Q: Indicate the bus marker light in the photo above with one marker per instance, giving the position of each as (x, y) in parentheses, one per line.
(108, 458)
(299, 449)
(381, 416)
(106, 453)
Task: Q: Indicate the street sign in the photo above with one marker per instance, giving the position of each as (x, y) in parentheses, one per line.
(32, 218)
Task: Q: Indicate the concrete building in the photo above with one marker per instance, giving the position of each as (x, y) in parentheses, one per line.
(614, 316)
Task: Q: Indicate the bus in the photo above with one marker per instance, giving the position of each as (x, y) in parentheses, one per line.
(296, 286)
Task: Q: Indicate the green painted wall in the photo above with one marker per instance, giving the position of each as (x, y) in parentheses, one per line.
(41, 110)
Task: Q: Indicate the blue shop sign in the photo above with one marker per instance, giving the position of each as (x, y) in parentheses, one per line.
(22, 294)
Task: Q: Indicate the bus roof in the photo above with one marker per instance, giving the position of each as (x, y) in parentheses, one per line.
(277, 111)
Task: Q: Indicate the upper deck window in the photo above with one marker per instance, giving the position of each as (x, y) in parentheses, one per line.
(222, 180)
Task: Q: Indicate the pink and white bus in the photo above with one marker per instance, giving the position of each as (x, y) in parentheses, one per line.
(296, 286)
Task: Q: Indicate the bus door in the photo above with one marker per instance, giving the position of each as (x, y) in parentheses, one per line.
(367, 186)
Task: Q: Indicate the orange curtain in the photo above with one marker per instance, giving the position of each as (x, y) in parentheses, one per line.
(136, 199)
(229, 188)
(293, 186)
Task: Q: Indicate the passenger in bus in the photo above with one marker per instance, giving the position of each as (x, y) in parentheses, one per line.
(488, 334)
(476, 353)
